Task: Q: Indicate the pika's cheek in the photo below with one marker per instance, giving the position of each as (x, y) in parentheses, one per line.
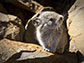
(50, 23)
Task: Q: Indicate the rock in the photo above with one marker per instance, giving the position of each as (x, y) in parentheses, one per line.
(11, 27)
(75, 24)
(34, 51)
(29, 5)
(24, 15)
(29, 53)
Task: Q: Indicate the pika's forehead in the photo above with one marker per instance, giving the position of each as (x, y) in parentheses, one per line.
(49, 14)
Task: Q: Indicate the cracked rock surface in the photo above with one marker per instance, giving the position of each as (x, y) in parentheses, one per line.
(11, 27)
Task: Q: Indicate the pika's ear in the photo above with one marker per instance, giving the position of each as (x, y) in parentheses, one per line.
(36, 21)
(60, 20)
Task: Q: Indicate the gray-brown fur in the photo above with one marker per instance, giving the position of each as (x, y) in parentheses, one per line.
(50, 31)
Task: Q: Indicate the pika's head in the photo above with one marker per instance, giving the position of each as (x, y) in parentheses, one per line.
(48, 19)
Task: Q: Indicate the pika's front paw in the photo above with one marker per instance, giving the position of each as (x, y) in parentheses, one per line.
(46, 49)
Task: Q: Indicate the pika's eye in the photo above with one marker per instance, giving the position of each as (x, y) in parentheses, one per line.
(52, 19)
(36, 22)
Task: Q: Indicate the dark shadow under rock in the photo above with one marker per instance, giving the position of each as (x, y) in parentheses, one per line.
(30, 57)
(2, 9)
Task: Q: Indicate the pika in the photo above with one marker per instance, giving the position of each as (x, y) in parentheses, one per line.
(50, 31)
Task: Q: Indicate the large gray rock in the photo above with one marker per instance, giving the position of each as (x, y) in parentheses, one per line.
(75, 24)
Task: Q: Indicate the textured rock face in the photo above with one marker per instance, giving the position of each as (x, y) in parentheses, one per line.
(27, 50)
(29, 5)
(75, 24)
(11, 27)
